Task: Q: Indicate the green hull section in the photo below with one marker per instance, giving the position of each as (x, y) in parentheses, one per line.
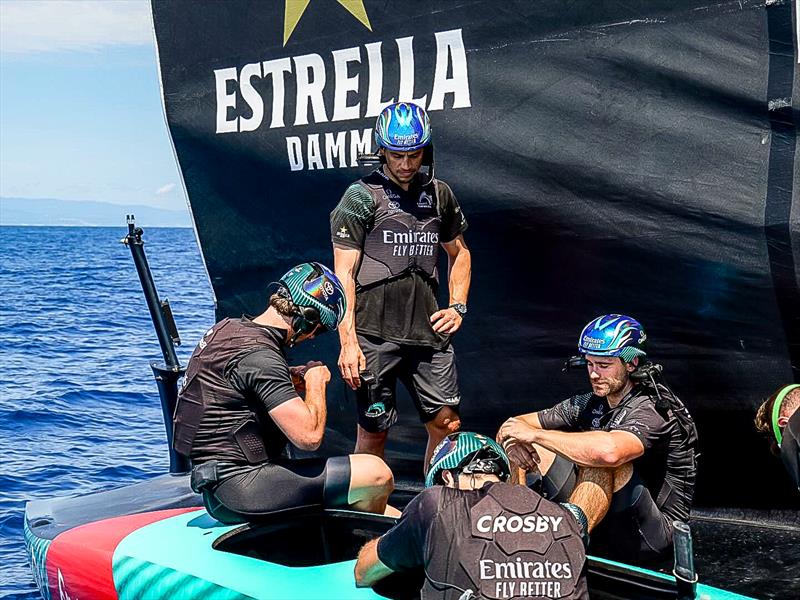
(175, 558)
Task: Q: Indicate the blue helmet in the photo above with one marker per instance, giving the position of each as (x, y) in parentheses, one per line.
(402, 127)
(613, 335)
(317, 294)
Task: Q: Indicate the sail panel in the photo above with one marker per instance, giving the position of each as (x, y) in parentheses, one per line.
(633, 157)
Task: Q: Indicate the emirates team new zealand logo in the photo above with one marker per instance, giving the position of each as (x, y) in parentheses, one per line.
(425, 200)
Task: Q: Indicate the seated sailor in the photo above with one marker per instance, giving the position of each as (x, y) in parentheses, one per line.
(238, 407)
(476, 536)
(779, 418)
(630, 431)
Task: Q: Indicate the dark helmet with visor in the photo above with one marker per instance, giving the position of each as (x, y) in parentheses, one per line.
(614, 335)
(467, 452)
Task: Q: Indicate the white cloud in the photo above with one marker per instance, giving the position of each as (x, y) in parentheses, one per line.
(28, 26)
(165, 189)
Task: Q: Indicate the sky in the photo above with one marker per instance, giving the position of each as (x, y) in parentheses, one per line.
(80, 104)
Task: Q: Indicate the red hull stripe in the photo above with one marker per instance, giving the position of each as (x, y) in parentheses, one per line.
(79, 560)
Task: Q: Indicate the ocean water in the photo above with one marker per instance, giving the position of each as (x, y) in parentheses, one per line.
(79, 409)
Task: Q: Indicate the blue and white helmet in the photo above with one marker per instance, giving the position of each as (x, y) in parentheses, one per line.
(613, 335)
(403, 127)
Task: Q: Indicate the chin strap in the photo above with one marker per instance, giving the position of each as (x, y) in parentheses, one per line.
(292, 340)
(776, 410)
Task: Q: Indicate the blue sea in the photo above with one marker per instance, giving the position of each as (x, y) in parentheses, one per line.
(79, 409)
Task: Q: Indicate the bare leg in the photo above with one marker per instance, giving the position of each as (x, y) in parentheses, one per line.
(371, 483)
(370, 443)
(594, 488)
(445, 423)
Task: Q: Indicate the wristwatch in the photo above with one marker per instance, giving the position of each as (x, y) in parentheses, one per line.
(459, 308)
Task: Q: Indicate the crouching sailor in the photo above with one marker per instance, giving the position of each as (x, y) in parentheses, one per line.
(627, 448)
(238, 407)
(779, 417)
(476, 536)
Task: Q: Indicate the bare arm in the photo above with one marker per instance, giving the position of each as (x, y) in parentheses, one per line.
(303, 421)
(460, 274)
(369, 568)
(351, 358)
(586, 448)
(530, 419)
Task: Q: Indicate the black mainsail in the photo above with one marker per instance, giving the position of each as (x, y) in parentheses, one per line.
(634, 157)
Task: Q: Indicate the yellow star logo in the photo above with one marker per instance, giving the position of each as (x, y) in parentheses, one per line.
(294, 10)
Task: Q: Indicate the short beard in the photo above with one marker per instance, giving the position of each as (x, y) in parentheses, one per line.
(614, 386)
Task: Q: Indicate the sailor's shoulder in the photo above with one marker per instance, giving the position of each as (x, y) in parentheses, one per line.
(581, 402)
(429, 501)
(374, 180)
(362, 192)
(646, 394)
(441, 186)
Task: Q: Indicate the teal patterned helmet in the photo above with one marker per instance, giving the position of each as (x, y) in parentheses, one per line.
(613, 335)
(403, 127)
(317, 294)
(467, 452)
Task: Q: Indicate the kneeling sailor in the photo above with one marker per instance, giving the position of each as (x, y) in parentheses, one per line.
(475, 535)
(239, 407)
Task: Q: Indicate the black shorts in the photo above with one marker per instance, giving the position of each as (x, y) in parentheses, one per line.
(634, 530)
(259, 490)
(428, 374)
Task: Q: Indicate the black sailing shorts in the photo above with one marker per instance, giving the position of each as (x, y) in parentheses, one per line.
(634, 530)
(261, 490)
(428, 374)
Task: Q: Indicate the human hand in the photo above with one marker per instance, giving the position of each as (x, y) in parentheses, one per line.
(518, 429)
(351, 361)
(522, 455)
(298, 374)
(447, 321)
(317, 375)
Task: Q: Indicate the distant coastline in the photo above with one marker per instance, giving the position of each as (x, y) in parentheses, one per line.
(49, 212)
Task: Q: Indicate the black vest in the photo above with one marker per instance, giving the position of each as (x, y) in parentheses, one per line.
(205, 389)
(405, 233)
(511, 543)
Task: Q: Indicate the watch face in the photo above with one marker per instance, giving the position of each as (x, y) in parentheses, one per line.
(460, 308)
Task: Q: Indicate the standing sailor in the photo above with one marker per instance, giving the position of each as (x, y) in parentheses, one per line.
(631, 430)
(779, 417)
(476, 536)
(239, 407)
(386, 232)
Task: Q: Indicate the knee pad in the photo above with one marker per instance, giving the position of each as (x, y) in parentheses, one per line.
(337, 482)
(627, 495)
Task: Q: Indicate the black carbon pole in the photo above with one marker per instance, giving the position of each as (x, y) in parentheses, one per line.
(166, 374)
(134, 241)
